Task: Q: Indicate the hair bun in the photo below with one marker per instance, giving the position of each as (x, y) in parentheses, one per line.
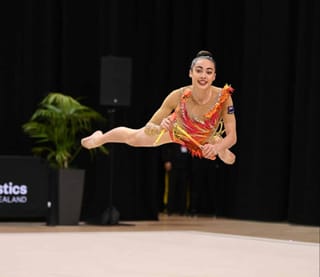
(204, 53)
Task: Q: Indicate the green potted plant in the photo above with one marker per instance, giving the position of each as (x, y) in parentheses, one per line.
(56, 126)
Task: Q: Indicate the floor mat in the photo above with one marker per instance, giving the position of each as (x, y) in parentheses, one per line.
(153, 254)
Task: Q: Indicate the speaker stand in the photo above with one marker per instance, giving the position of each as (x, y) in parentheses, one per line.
(111, 215)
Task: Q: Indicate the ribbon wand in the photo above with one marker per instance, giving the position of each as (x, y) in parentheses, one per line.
(181, 131)
(188, 136)
(159, 137)
(192, 139)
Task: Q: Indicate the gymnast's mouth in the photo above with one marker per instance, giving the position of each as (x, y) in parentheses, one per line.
(202, 82)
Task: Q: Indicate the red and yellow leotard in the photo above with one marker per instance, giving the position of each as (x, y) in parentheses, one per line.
(201, 131)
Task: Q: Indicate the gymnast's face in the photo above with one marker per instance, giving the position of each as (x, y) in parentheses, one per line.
(203, 73)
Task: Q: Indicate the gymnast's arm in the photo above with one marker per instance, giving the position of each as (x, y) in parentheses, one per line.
(229, 122)
(167, 107)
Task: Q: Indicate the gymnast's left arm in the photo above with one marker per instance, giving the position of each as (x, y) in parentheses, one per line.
(229, 121)
(153, 126)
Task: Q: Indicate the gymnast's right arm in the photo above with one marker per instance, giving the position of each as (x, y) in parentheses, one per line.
(168, 106)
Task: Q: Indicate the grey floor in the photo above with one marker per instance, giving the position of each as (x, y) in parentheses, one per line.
(171, 246)
(282, 230)
(152, 253)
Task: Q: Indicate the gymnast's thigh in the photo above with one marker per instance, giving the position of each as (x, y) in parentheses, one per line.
(143, 139)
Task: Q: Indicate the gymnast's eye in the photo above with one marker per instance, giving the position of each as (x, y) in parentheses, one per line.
(199, 70)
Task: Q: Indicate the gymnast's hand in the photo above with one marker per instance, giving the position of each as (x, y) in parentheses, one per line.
(152, 129)
(166, 124)
(209, 151)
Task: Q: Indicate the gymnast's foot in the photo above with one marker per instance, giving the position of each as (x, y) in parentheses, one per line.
(92, 141)
(227, 157)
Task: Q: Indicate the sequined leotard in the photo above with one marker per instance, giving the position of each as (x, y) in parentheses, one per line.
(201, 131)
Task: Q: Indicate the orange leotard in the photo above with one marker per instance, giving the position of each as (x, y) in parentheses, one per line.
(202, 131)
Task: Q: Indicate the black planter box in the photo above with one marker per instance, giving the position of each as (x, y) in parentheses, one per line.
(65, 196)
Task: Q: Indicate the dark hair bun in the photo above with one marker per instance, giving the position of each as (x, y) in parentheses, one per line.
(204, 53)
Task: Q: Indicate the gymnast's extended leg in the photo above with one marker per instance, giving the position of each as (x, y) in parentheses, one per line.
(132, 137)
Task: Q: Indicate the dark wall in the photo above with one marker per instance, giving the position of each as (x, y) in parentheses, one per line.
(267, 51)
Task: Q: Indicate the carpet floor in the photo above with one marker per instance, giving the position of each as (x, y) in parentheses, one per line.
(154, 254)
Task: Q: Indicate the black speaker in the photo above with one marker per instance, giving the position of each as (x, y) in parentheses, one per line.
(115, 81)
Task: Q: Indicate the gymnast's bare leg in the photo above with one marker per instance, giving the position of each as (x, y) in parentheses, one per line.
(132, 137)
(138, 138)
(226, 156)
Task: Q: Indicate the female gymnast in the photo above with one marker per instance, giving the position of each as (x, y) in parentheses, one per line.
(199, 116)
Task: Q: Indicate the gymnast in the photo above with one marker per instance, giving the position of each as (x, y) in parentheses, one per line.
(199, 116)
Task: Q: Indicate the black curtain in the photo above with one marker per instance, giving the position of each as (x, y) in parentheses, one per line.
(267, 51)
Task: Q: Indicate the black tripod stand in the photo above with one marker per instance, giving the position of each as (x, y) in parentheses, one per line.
(111, 215)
